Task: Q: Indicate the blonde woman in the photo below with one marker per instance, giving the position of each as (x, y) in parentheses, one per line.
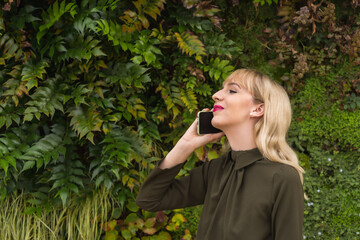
(253, 192)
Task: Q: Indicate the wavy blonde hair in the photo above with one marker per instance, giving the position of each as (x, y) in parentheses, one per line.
(271, 129)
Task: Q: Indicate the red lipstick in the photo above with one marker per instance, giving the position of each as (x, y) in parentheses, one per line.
(217, 108)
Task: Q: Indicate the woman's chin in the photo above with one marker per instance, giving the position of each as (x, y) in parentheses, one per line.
(216, 124)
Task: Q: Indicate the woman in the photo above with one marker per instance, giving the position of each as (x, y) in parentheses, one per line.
(254, 192)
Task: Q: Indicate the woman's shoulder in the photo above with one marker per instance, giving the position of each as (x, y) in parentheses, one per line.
(279, 170)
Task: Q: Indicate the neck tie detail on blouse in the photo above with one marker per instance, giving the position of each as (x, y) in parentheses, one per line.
(245, 158)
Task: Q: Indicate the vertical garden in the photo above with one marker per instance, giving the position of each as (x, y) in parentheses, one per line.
(95, 92)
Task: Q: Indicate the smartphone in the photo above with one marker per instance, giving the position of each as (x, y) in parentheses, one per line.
(204, 125)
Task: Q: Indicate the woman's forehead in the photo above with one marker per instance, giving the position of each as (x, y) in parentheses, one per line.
(234, 81)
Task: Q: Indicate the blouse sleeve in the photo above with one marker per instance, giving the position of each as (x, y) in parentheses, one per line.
(288, 208)
(161, 191)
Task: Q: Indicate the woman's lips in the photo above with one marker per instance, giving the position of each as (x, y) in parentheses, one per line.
(217, 108)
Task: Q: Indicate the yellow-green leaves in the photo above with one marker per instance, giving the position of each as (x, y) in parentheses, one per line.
(85, 120)
(31, 73)
(109, 227)
(176, 221)
(150, 7)
(137, 20)
(190, 44)
(136, 108)
(14, 87)
(11, 48)
(189, 99)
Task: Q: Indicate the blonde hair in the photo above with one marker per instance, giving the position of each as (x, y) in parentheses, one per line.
(271, 129)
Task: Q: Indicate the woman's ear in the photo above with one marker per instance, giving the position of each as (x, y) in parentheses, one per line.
(258, 111)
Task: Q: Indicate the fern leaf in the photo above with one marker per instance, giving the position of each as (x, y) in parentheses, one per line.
(84, 20)
(32, 72)
(113, 31)
(45, 100)
(131, 21)
(10, 150)
(150, 7)
(11, 48)
(135, 21)
(136, 108)
(53, 14)
(55, 44)
(217, 44)
(41, 150)
(120, 148)
(64, 194)
(66, 177)
(81, 48)
(84, 121)
(14, 87)
(172, 97)
(150, 130)
(190, 44)
(4, 165)
(189, 98)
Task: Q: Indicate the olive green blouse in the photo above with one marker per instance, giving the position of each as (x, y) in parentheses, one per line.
(245, 197)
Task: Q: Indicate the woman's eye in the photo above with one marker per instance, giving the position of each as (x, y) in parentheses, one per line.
(232, 91)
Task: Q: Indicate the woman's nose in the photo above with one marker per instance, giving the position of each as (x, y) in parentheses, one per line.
(217, 96)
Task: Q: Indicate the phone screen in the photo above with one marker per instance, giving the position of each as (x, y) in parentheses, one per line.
(204, 123)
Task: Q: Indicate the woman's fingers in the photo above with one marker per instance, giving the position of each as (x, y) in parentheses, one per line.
(191, 136)
(217, 136)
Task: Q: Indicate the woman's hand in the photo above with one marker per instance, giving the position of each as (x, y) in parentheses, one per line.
(192, 140)
(187, 144)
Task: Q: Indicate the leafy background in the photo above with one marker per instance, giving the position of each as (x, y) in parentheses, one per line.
(94, 92)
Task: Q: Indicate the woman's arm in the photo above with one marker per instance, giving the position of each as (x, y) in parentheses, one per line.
(186, 145)
(162, 191)
(288, 205)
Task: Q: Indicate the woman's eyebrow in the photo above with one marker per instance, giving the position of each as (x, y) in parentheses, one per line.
(232, 83)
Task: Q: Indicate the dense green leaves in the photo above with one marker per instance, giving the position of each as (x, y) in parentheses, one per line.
(53, 14)
(67, 177)
(93, 92)
(86, 89)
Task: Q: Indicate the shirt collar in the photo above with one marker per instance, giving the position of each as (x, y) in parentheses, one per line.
(245, 158)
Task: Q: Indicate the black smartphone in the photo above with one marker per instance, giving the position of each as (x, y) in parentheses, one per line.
(204, 125)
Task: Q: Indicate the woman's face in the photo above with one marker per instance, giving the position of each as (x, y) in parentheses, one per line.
(233, 105)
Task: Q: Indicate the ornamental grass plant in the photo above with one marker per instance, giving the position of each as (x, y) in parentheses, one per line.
(81, 219)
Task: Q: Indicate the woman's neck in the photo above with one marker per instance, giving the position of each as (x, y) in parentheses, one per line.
(241, 137)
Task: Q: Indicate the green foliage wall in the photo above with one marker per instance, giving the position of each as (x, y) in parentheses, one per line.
(94, 92)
